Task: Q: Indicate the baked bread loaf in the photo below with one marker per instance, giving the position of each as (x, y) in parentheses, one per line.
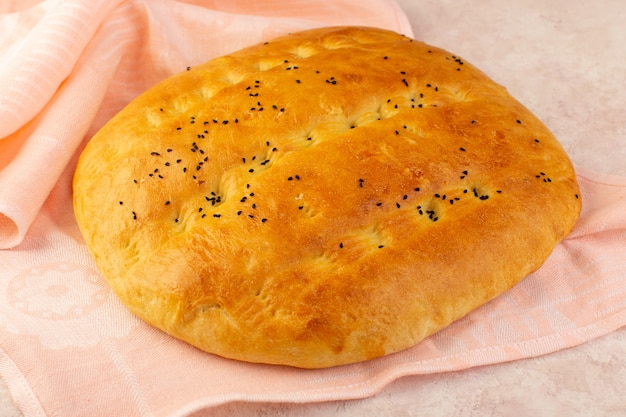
(324, 198)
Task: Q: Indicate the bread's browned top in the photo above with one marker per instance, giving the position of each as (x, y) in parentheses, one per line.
(324, 198)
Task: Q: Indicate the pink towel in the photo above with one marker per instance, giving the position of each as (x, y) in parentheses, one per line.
(69, 347)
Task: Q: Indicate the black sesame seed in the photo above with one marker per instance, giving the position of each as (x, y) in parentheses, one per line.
(217, 215)
(462, 149)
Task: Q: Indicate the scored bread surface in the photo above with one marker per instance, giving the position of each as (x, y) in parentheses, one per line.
(327, 197)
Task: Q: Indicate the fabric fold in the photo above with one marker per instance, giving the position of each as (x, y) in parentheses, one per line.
(53, 89)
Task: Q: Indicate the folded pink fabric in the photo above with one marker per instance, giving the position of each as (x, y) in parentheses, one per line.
(69, 347)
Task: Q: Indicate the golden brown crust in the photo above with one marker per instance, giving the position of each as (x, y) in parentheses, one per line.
(327, 197)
